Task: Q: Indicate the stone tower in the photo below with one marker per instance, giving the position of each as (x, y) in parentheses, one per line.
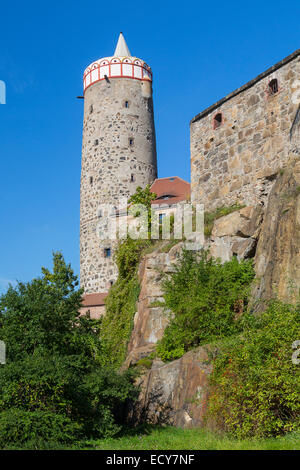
(118, 153)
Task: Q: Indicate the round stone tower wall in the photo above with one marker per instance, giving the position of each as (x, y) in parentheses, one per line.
(118, 155)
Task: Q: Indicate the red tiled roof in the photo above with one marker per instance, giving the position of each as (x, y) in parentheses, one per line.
(176, 188)
(94, 300)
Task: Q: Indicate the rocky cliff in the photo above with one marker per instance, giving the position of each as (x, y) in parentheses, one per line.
(176, 393)
(150, 319)
(277, 259)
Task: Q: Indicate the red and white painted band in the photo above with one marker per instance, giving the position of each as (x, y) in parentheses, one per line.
(116, 68)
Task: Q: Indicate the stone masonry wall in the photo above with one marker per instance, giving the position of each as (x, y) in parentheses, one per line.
(237, 161)
(118, 154)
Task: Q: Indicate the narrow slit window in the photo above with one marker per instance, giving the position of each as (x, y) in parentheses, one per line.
(131, 141)
(132, 178)
(218, 119)
(91, 180)
(273, 87)
(126, 104)
(96, 142)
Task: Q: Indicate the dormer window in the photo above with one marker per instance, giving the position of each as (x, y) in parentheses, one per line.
(217, 122)
(273, 86)
(166, 196)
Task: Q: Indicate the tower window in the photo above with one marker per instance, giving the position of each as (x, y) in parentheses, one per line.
(91, 108)
(107, 252)
(126, 104)
(218, 119)
(91, 180)
(132, 178)
(96, 142)
(273, 86)
(131, 141)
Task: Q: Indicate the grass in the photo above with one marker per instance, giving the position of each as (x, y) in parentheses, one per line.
(149, 437)
(156, 303)
(170, 438)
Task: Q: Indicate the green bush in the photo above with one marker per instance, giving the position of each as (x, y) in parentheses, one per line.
(255, 385)
(17, 427)
(54, 360)
(206, 298)
(39, 383)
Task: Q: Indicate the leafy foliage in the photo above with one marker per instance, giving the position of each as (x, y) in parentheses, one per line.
(118, 321)
(42, 315)
(128, 254)
(256, 386)
(54, 361)
(205, 298)
(144, 197)
(37, 427)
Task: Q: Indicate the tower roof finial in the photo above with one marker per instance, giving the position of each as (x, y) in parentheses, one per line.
(122, 48)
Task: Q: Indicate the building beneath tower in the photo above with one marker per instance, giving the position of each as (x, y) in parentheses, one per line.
(118, 155)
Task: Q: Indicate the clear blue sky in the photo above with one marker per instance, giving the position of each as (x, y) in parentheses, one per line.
(199, 51)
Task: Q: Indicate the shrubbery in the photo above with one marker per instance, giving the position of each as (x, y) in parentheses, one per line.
(39, 429)
(206, 298)
(53, 371)
(255, 385)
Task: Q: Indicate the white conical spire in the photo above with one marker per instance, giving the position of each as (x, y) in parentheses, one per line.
(122, 48)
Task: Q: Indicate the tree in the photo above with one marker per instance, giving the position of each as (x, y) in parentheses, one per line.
(54, 361)
(144, 197)
(42, 315)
